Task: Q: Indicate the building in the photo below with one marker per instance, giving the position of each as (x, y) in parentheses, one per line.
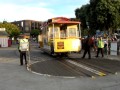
(27, 25)
(4, 38)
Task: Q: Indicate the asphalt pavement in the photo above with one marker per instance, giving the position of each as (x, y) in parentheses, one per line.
(16, 77)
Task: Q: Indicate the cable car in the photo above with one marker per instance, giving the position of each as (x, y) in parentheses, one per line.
(60, 35)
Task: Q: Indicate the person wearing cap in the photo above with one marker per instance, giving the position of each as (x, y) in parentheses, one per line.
(23, 48)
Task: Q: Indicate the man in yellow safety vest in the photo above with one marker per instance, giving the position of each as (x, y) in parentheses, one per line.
(23, 48)
(100, 46)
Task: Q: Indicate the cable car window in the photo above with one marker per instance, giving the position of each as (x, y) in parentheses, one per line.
(72, 32)
(56, 32)
(62, 33)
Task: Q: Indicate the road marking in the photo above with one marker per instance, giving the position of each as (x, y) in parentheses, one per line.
(87, 68)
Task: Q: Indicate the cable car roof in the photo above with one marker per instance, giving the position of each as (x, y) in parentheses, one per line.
(62, 20)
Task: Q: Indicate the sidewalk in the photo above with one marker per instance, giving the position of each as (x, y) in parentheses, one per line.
(111, 57)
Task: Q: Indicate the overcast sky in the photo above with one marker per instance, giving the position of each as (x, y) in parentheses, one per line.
(40, 10)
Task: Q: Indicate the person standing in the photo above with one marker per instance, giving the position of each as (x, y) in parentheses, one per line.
(87, 45)
(100, 45)
(23, 48)
(40, 41)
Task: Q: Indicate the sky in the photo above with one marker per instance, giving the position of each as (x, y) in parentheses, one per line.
(39, 10)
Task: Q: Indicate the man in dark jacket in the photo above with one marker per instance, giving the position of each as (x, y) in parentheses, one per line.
(87, 46)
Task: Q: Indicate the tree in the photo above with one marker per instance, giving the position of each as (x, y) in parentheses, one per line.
(106, 13)
(35, 33)
(101, 14)
(83, 17)
(11, 29)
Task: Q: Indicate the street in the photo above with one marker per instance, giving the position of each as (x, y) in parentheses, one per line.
(16, 77)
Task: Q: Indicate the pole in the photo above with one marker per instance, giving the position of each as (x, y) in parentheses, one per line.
(107, 47)
(28, 65)
(79, 31)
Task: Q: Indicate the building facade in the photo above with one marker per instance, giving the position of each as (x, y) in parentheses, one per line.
(26, 26)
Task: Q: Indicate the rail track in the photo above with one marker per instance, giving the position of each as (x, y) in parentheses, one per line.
(46, 64)
(71, 67)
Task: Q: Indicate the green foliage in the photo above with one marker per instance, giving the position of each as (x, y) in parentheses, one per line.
(35, 32)
(101, 14)
(81, 15)
(84, 32)
(11, 29)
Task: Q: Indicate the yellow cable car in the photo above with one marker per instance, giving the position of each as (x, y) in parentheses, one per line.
(60, 35)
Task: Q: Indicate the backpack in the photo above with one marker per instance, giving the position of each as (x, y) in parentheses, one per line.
(24, 46)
